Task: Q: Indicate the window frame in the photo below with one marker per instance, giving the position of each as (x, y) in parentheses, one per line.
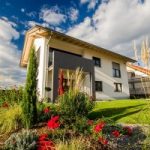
(97, 59)
(116, 84)
(116, 72)
(97, 88)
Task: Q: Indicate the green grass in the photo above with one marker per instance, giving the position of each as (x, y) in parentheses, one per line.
(123, 111)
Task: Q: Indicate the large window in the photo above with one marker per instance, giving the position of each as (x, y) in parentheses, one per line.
(98, 86)
(97, 61)
(116, 70)
(118, 87)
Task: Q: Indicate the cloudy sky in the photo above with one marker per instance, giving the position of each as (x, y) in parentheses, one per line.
(112, 24)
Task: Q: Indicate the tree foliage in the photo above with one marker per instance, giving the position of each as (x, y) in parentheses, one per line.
(29, 96)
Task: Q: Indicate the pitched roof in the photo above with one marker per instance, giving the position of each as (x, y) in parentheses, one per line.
(43, 31)
(139, 68)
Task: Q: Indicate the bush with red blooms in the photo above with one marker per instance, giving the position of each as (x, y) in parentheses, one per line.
(127, 130)
(99, 127)
(46, 110)
(103, 140)
(90, 122)
(116, 133)
(53, 123)
(44, 143)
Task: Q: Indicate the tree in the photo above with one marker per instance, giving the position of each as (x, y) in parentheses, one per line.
(29, 96)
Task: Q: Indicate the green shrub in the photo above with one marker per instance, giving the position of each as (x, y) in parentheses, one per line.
(30, 93)
(42, 116)
(25, 140)
(11, 96)
(72, 104)
(10, 118)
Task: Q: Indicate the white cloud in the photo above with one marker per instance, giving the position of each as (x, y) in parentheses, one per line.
(84, 1)
(31, 14)
(115, 24)
(52, 15)
(91, 3)
(10, 72)
(73, 14)
(30, 24)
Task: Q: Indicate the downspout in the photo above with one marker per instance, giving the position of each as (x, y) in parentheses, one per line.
(46, 61)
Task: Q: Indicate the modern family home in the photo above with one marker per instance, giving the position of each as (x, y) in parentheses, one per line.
(139, 81)
(105, 71)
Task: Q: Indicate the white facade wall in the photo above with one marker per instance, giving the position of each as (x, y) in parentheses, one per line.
(103, 74)
(41, 45)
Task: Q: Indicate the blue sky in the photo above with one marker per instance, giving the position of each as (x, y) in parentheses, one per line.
(112, 24)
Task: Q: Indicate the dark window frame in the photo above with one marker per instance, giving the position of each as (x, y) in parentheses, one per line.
(117, 88)
(116, 70)
(97, 61)
(99, 88)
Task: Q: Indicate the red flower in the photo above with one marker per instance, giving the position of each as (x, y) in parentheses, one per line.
(46, 110)
(116, 133)
(128, 130)
(5, 105)
(53, 123)
(43, 137)
(46, 145)
(99, 127)
(103, 141)
(90, 122)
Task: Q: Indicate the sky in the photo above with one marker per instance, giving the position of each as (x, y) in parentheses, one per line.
(112, 24)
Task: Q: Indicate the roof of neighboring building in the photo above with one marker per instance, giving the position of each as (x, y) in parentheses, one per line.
(139, 68)
(39, 31)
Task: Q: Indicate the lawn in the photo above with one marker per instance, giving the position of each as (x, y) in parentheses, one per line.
(123, 111)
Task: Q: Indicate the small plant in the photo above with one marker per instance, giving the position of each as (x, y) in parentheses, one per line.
(29, 97)
(25, 140)
(10, 118)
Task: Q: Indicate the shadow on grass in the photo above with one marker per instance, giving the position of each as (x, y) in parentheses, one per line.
(115, 113)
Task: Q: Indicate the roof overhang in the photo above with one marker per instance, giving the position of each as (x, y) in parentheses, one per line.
(39, 31)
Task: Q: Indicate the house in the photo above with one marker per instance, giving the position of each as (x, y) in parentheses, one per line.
(139, 81)
(105, 71)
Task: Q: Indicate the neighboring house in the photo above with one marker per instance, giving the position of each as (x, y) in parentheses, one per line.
(139, 81)
(105, 71)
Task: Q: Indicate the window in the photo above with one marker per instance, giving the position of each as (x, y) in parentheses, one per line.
(116, 70)
(98, 86)
(97, 61)
(132, 74)
(118, 87)
(50, 60)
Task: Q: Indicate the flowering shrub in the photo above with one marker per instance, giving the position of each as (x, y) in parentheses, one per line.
(46, 110)
(99, 127)
(127, 130)
(90, 122)
(53, 123)
(103, 140)
(44, 143)
(116, 133)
